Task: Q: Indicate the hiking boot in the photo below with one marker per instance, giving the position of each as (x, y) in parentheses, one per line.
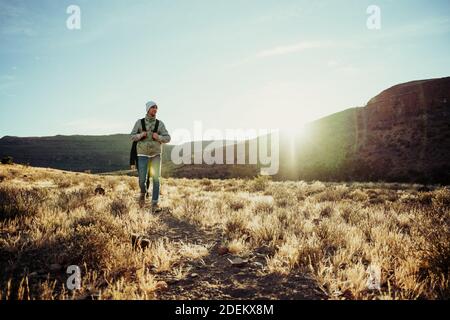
(156, 208)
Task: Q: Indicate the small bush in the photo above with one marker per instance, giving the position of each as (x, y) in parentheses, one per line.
(260, 183)
(236, 203)
(283, 198)
(358, 195)
(118, 207)
(71, 200)
(212, 187)
(205, 182)
(326, 211)
(63, 183)
(236, 246)
(425, 198)
(315, 187)
(442, 198)
(263, 207)
(8, 160)
(192, 207)
(19, 202)
(332, 194)
(236, 226)
(95, 241)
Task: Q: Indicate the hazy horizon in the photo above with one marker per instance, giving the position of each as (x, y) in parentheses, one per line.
(231, 141)
(257, 64)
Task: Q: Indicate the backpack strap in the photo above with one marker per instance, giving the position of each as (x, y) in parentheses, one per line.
(155, 129)
(133, 152)
(143, 124)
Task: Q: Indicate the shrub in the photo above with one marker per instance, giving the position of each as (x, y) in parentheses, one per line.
(236, 246)
(7, 160)
(359, 195)
(263, 206)
(63, 182)
(326, 211)
(19, 202)
(236, 225)
(283, 198)
(192, 207)
(442, 198)
(205, 182)
(260, 183)
(118, 207)
(332, 194)
(267, 229)
(236, 203)
(315, 187)
(425, 198)
(71, 200)
(95, 241)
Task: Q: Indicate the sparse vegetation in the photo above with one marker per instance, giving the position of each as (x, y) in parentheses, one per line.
(329, 231)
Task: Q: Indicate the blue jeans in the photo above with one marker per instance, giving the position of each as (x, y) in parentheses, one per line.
(154, 163)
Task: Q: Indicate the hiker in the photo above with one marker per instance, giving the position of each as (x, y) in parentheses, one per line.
(148, 147)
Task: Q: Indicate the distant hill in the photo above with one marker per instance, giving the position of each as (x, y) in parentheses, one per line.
(74, 153)
(402, 134)
(103, 154)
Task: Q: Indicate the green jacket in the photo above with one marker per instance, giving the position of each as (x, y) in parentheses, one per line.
(148, 146)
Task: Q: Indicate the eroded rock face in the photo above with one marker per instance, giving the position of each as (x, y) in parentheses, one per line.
(404, 132)
(407, 101)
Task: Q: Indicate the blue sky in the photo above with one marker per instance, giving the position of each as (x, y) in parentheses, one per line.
(230, 64)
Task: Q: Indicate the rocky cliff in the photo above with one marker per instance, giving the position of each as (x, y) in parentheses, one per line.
(402, 134)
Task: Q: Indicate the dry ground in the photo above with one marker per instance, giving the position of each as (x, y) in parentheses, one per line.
(220, 239)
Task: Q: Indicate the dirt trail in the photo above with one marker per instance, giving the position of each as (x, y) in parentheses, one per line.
(214, 277)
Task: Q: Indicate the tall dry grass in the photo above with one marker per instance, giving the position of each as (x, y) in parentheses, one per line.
(336, 232)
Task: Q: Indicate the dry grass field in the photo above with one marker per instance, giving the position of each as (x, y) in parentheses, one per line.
(220, 239)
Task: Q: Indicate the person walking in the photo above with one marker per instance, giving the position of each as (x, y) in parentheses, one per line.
(149, 149)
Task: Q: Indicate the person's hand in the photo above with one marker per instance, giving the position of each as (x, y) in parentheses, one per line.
(144, 134)
(155, 136)
(133, 167)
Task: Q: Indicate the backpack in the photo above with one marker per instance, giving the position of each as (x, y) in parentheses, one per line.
(133, 152)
